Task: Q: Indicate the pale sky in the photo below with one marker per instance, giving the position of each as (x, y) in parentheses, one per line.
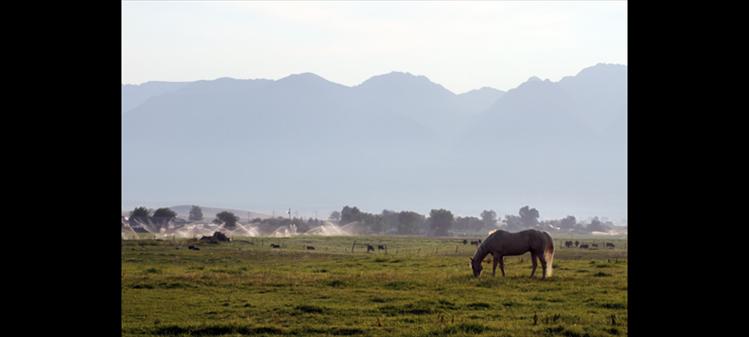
(461, 45)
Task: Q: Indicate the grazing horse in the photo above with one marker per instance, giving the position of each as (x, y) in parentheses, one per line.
(584, 246)
(568, 244)
(609, 245)
(501, 244)
(370, 248)
(382, 247)
(273, 245)
(577, 244)
(310, 248)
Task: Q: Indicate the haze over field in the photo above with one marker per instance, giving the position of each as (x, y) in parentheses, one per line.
(407, 105)
(395, 141)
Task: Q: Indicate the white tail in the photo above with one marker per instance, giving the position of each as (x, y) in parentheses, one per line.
(549, 256)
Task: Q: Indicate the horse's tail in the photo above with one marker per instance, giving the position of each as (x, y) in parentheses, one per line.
(549, 254)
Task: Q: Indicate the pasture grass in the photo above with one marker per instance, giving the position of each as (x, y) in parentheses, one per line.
(247, 288)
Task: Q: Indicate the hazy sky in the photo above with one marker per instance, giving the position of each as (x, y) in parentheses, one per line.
(461, 45)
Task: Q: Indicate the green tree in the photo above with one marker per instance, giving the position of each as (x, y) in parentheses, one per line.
(374, 222)
(228, 219)
(350, 214)
(596, 225)
(162, 216)
(489, 217)
(390, 219)
(529, 217)
(440, 221)
(468, 224)
(196, 214)
(568, 222)
(409, 222)
(141, 214)
(513, 222)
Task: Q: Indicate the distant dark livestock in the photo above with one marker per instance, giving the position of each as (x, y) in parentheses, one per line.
(310, 248)
(193, 247)
(273, 245)
(215, 238)
(584, 246)
(382, 247)
(609, 245)
(568, 244)
(595, 245)
(370, 248)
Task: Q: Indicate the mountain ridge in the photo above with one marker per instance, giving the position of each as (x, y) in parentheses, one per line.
(306, 140)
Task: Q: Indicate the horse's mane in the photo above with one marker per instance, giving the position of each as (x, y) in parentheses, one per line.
(492, 235)
(485, 243)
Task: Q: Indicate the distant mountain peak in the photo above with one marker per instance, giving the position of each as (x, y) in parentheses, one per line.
(602, 67)
(533, 81)
(397, 76)
(304, 76)
(399, 79)
(607, 65)
(309, 80)
(153, 83)
(482, 90)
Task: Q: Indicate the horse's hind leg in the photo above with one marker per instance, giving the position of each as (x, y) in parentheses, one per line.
(502, 265)
(535, 264)
(543, 265)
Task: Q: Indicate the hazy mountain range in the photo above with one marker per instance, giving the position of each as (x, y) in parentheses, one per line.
(395, 141)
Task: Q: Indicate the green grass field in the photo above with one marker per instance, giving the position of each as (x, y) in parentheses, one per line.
(420, 287)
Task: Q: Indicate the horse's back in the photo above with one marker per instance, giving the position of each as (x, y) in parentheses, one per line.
(510, 244)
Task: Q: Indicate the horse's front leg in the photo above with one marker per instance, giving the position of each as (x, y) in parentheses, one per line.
(534, 264)
(502, 265)
(494, 269)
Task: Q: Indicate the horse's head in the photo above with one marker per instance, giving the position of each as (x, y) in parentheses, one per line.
(476, 266)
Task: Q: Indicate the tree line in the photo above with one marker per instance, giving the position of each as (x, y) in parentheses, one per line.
(439, 222)
(442, 222)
